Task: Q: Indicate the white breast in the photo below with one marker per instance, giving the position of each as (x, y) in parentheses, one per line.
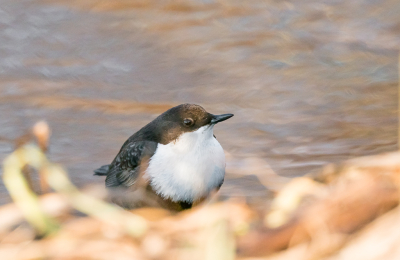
(189, 168)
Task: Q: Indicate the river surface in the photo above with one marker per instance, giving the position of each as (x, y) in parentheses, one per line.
(310, 82)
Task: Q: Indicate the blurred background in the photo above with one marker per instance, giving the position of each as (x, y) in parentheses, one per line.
(310, 82)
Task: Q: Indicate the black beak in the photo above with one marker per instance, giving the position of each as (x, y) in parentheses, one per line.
(219, 118)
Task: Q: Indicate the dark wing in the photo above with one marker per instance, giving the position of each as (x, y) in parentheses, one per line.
(125, 168)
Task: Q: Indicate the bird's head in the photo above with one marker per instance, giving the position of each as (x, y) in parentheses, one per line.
(185, 118)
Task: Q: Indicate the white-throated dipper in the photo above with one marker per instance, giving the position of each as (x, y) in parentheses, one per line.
(173, 162)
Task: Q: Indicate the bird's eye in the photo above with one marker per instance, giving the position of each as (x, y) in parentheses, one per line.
(188, 122)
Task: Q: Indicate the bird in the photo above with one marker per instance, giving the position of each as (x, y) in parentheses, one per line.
(174, 162)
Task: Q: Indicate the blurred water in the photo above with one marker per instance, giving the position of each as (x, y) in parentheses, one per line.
(309, 82)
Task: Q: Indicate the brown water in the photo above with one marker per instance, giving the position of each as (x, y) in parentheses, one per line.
(309, 82)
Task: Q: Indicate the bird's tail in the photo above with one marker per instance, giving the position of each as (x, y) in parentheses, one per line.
(102, 171)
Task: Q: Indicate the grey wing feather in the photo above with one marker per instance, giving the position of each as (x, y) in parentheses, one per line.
(103, 170)
(125, 168)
